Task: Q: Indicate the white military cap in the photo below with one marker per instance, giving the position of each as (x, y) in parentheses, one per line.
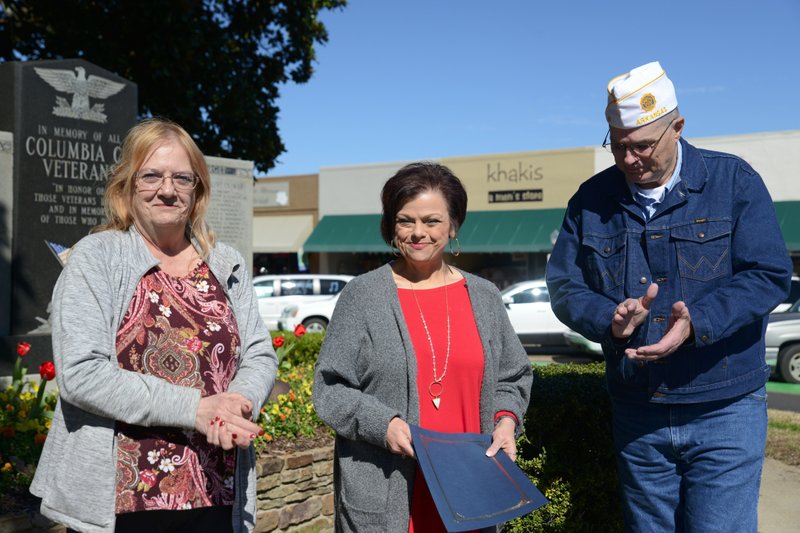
(639, 97)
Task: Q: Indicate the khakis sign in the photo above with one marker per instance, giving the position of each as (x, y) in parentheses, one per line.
(526, 180)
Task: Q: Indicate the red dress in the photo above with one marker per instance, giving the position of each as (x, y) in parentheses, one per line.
(459, 407)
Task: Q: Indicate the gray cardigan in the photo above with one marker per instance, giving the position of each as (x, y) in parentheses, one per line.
(76, 473)
(366, 375)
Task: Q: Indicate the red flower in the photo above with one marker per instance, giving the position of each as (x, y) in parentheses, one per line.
(148, 477)
(299, 331)
(47, 370)
(23, 348)
(278, 341)
(194, 344)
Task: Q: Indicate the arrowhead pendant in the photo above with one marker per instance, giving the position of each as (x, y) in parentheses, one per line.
(436, 401)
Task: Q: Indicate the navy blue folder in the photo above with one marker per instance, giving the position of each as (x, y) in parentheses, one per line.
(470, 490)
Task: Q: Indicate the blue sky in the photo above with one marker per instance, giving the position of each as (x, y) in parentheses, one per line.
(421, 79)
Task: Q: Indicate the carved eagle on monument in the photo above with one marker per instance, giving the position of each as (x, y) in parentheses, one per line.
(81, 88)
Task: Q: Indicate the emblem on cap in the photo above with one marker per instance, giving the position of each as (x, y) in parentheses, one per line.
(648, 102)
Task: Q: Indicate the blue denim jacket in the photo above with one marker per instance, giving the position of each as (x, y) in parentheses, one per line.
(714, 243)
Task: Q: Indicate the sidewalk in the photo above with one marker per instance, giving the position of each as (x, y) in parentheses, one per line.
(779, 500)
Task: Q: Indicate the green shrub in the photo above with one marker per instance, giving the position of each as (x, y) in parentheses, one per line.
(567, 449)
(551, 517)
(306, 349)
(292, 414)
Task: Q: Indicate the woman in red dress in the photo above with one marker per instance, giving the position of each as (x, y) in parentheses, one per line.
(416, 341)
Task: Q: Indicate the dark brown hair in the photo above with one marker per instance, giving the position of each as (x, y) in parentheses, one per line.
(415, 179)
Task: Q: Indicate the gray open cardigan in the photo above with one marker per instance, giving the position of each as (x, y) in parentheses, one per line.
(366, 375)
(76, 473)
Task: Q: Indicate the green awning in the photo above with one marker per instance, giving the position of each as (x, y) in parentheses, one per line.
(789, 218)
(347, 233)
(510, 231)
(483, 232)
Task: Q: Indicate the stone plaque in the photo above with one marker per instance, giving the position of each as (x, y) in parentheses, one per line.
(230, 211)
(68, 118)
(6, 207)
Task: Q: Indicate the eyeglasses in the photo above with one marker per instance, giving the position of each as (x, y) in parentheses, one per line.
(640, 149)
(151, 180)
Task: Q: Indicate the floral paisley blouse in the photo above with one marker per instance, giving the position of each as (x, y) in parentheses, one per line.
(181, 330)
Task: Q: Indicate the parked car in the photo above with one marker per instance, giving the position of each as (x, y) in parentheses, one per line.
(783, 343)
(794, 295)
(314, 315)
(276, 291)
(579, 343)
(528, 306)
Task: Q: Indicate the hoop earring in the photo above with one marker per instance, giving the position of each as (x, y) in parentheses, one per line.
(458, 248)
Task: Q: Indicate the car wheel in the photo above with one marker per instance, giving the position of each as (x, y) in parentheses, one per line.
(315, 325)
(789, 363)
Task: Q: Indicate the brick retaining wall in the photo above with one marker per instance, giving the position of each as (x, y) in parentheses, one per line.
(295, 491)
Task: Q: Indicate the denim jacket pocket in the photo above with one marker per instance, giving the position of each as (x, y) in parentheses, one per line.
(703, 250)
(605, 261)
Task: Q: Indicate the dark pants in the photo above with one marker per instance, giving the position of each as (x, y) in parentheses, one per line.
(204, 520)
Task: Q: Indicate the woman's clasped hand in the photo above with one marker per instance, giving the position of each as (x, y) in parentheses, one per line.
(225, 420)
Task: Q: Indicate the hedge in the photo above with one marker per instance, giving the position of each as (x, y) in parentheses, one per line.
(567, 449)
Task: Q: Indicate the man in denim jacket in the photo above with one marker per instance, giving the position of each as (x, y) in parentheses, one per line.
(672, 259)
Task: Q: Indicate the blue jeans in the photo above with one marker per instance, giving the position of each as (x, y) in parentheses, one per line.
(691, 467)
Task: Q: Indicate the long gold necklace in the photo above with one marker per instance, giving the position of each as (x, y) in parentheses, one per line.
(436, 387)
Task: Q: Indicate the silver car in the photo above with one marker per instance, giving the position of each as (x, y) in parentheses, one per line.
(783, 343)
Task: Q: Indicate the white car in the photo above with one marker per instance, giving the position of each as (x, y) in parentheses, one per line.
(313, 315)
(528, 306)
(783, 343)
(275, 292)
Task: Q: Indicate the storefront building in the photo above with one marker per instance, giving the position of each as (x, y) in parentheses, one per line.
(285, 211)
(516, 205)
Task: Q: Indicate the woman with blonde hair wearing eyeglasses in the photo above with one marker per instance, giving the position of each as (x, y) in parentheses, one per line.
(162, 358)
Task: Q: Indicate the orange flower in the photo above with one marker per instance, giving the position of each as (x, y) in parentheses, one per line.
(299, 330)
(283, 416)
(278, 341)
(292, 395)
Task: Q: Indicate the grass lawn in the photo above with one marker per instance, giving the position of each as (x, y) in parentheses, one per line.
(783, 436)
